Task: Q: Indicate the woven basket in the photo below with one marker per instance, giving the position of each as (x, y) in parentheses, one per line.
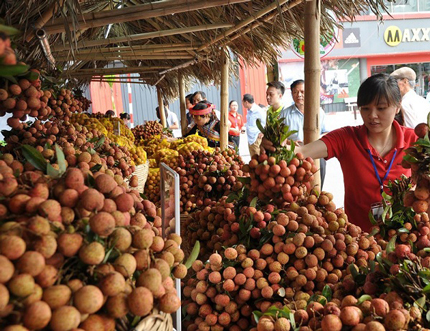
(157, 321)
(142, 174)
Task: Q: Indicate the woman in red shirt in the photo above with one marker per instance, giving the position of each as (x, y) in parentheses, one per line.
(371, 154)
(236, 124)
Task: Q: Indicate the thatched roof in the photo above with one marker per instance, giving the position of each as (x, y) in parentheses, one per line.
(163, 38)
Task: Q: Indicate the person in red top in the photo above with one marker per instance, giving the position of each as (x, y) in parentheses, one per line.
(236, 123)
(371, 154)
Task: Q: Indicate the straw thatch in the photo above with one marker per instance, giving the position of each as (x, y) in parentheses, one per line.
(161, 38)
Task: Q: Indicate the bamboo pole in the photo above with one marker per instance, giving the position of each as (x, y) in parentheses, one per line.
(135, 13)
(45, 17)
(143, 48)
(182, 104)
(128, 9)
(119, 57)
(161, 107)
(141, 36)
(244, 23)
(311, 128)
(224, 102)
(112, 71)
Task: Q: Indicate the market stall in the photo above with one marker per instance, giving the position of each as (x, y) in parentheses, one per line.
(82, 244)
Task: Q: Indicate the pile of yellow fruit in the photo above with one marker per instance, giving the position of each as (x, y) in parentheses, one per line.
(88, 122)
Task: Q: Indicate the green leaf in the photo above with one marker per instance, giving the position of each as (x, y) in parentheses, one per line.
(194, 254)
(51, 171)
(428, 316)
(327, 292)
(10, 78)
(363, 298)
(373, 232)
(260, 127)
(421, 302)
(391, 246)
(354, 271)
(422, 142)
(292, 320)
(100, 142)
(257, 314)
(10, 31)
(61, 160)
(426, 289)
(403, 230)
(33, 156)
(96, 168)
(253, 202)
(13, 70)
(372, 265)
(32, 75)
(90, 181)
(244, 180)
(410, 159)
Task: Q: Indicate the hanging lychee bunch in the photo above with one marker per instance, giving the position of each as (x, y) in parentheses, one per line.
(207, 176)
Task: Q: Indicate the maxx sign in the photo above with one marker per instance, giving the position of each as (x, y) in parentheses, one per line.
(393, 36)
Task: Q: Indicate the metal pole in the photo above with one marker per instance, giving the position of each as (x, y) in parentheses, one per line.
(224, 102)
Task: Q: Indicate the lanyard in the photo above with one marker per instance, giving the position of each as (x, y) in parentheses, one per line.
(381, 182)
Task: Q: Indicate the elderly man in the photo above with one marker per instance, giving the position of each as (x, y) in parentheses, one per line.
(415, 108)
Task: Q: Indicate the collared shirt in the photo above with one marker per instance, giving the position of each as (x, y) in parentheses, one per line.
(350, 146)
(295, 120)
(415, 109)
(253, 114)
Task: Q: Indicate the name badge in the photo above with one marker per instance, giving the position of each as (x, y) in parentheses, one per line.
(377, 209)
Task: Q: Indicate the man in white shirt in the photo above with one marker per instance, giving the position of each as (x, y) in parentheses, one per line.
(415, 108)
(172, 121)
(253, 133)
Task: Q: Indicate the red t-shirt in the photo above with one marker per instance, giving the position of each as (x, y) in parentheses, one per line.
(350, 146)
(236, 123)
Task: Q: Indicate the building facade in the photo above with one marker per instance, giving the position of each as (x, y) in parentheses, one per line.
(365, 47)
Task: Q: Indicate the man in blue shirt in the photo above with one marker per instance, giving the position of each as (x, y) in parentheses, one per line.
(254, 135)
(294, 118)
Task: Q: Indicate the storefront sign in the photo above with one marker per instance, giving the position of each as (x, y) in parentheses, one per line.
(326, 44)
(393, 36)
(351, 37)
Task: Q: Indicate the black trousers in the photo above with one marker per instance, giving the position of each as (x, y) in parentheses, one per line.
(235, 140)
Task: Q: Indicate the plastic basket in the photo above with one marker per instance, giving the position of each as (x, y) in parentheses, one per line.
(142, 174)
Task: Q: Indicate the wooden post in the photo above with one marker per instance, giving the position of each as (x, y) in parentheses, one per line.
(311, 127)
(161, 107)
(182, 104)
(224, 102)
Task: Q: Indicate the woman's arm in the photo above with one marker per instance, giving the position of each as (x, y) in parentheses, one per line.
(316, 149)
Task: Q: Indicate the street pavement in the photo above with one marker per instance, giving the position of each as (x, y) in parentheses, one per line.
(334, 177)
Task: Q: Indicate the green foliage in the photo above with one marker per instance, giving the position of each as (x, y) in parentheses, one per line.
(277, 132)
(193, 256)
